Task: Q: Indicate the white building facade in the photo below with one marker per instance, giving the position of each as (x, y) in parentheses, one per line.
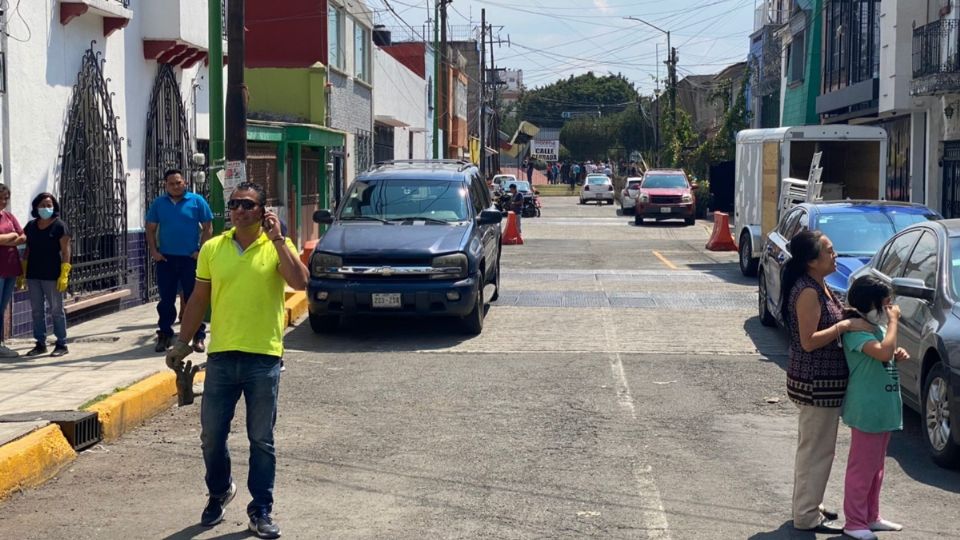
(399, 108)
(101, 97)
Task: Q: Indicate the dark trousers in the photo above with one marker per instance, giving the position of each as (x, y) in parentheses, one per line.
(257, 377)
(177, 273)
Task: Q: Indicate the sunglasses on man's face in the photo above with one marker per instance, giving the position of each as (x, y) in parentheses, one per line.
(246, 204)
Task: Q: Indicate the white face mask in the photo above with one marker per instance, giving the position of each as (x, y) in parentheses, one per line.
(877, 317)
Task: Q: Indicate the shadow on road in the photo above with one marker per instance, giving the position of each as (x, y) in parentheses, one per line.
(787, 531)
(771, 343)
(195, 530)
(728, 272)
(907, 447)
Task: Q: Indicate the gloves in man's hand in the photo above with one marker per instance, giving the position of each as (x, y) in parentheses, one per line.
(64, 276)
(175, 356)
(185, 377)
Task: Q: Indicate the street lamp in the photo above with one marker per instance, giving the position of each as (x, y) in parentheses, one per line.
(671, 68)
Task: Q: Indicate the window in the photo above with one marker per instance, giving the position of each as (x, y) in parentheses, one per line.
(896, 255)
(851, 42)
(797, 59)
(923, 262)
(788, 224)
(335, 37)
(477, 188)
(361, 53)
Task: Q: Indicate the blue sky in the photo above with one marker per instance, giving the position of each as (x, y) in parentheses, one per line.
(552, 39)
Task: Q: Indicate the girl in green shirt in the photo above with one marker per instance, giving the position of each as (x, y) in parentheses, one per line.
(872, 406)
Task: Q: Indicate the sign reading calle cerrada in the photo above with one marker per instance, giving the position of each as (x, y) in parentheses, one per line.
(545, 150)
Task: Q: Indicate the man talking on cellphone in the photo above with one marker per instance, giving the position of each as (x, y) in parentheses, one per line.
(240, 276)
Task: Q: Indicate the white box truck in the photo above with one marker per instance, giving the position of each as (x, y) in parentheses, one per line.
(854, 162)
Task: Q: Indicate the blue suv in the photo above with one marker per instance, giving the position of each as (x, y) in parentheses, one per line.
(413, 237)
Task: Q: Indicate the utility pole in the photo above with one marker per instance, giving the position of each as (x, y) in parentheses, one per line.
(672, 73)
(483, 87)
(215, 58)
(444, 82)
(236, 113)
(436, 80)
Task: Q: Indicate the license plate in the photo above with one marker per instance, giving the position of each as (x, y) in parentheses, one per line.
(665, 210)
(599, 195)
(386, 300)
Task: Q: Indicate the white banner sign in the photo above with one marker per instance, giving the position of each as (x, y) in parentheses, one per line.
(545, 150)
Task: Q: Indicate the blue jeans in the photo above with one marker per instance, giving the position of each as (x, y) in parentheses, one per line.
(6, 294)
(40, 290)
(173, 275)
(257, 377)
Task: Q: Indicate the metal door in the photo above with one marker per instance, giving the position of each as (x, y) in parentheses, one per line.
(93, 185)
(950, 205)
(167, 146)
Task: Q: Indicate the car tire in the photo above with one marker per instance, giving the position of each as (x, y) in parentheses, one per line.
(324, 324)
(496, 282)
(748, 265)
(766, 318)
(936, 418)
(538, 212)
(581, 201)
(689, 221)
(472, 323)
(637, 220)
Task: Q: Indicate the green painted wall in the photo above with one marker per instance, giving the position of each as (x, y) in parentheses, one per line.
(800, 99)
(288, 94)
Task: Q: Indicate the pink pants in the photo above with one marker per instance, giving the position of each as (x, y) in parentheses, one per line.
(861, 487)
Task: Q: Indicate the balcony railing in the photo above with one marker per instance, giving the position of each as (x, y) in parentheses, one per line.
(936, 58)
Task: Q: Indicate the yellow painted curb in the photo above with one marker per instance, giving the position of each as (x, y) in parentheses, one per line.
(295, 307)
(129, 408)
(29, 461)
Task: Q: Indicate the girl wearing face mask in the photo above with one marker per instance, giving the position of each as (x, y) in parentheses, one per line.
(872, 407)
(47, 270)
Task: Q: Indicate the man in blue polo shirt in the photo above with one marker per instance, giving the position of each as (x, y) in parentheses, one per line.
(177, 224)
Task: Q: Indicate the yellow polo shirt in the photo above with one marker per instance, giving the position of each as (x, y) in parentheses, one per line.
(246, 294)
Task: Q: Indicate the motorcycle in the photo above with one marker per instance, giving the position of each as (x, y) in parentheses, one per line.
(531, 204)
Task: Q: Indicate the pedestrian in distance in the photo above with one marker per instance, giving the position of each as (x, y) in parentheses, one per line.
(178, 223)
(46, 269)
(816, 372)
(241, 276)
(872, 407)
(11, 236)
(530, 167)
(516, 204)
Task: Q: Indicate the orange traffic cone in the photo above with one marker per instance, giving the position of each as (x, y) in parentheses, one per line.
(511, 235)
(721, 240)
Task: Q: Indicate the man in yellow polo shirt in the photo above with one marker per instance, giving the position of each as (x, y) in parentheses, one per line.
(241, 275)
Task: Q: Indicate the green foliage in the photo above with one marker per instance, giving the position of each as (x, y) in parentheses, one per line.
(585, 93)
(589, 138)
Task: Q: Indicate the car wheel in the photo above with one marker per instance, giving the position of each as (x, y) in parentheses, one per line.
(581, 201)
(473, 322)
(689, 221)
(936, 416)
(637, 220)
(748, 265)
(496, 282)
(766, 318)
(538, 212)
(324, 324)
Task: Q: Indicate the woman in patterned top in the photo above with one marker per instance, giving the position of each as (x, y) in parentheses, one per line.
(816, 373)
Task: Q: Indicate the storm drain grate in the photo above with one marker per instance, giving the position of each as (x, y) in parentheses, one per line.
(80, 428)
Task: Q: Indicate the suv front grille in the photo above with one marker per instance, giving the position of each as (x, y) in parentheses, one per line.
(666, 199)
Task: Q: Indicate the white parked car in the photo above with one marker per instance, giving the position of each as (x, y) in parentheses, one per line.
(597, 187)
(502, 181)
(628, 197)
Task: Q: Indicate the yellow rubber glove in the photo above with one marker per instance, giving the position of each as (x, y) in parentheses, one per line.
(22, 278)
(64, 274)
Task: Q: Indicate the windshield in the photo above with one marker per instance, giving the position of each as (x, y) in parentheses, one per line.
(595, 180)
(521, 185)
(633, 184)
(398, 200)
(860, 234)
(665, 181)
(502, 178)
(955, 265)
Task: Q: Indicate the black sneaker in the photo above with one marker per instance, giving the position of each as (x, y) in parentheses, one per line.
(60, 350)
(37, 350)
(163, 342)
(262, 526)
(216, 507)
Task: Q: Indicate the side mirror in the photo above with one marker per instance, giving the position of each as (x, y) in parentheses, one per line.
(913, 288)
(323, 217)
(489, 217)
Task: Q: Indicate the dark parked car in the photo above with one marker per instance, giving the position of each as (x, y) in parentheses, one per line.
(922, 264)
(857, 230)
(417, 237)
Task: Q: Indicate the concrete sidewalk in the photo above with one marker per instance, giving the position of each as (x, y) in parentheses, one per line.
(112, 363)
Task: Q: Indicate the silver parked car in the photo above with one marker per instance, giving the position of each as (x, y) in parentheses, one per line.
(628, 197)
(922, 265)
(597, 187)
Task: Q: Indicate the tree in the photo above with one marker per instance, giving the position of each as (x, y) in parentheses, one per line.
(589, 138)
(577, 96)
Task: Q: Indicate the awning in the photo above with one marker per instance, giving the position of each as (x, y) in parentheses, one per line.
(294, 133)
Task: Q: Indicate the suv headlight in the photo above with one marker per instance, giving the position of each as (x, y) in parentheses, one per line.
(687, 197)
(449, 266)
(644, 198)
(325, 265)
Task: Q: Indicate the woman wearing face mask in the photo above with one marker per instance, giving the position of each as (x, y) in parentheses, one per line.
(872, 407)
(47, 270)
(816, 373)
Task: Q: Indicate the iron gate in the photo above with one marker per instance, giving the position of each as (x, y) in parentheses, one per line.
(951, 179)
(363, 150)
(167, 146)
(93, 185)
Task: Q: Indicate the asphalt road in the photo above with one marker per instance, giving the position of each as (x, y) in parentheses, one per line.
(622, 388)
